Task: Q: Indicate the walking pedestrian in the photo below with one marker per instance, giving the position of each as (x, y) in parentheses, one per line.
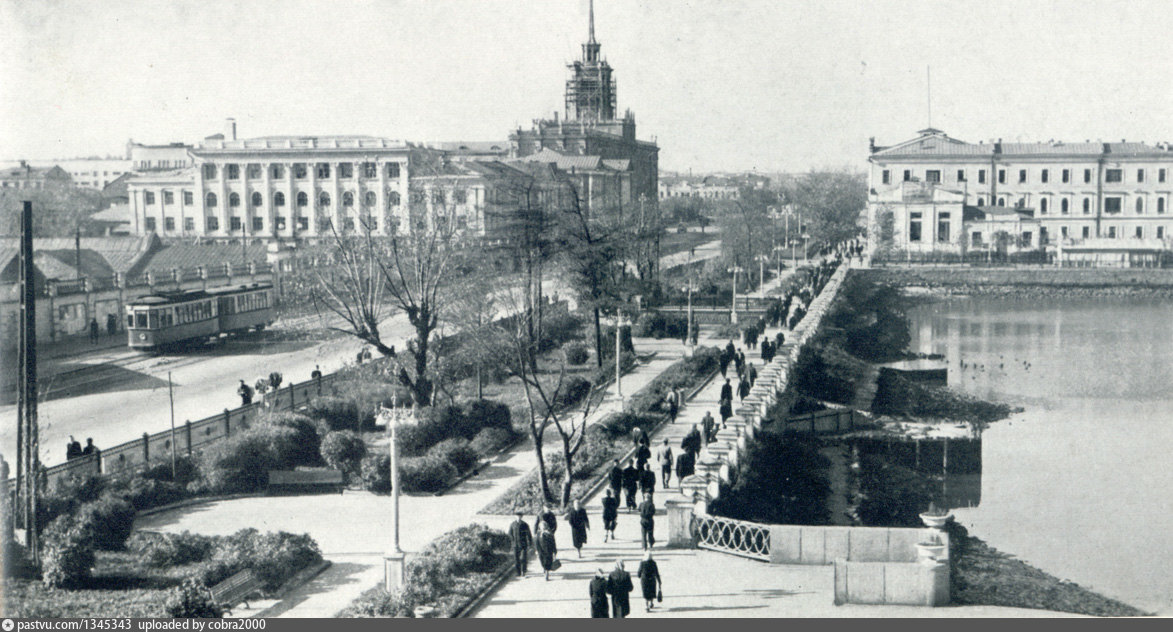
(246, 394)
(620, 587)
(726, 413)
(647, 522)
(547, 548)
(752, 373)
(685, 467)
(742, 389)
(647, 481)
(708, 424)
(72, 449)
(317, 373)
(546, 516)
(671, 400)
(664, 458)
(650, 583)
(691, 443)
(598, 592)
(615, 478)
(642, 455)
(111, 324)
(522, 539)
(610, 514)
(579, 525)
(740, 360)
(90, 448)
(730, 350)
(630, 485)
(726, 391)
(638, 436)
(94, 331)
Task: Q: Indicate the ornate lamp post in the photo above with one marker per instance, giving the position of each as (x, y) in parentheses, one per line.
(733, 312)
(762, 259)
(393, 560)
(778, 257)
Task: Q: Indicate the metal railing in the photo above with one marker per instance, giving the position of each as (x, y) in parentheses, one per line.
(738, 537)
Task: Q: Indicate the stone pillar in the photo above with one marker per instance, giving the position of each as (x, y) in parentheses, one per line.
(680, 523)
(187, 432)
(934, 578)
(146, 448)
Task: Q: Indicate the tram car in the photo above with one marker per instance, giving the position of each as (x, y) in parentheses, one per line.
(166, 319)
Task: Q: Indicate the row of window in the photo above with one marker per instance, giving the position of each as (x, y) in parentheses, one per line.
(300, 170)
(244, 302)
(212, 223)
(1112, 205)
(1110, 175)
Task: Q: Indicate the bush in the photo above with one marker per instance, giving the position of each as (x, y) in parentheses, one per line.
(656, 325)
(344, 450)
(273, 557)
(108, 520)
(369, 396)
(577, 354)
(489, 440)
(574, 390)
(307, 440)
(457, 452)
(376, 472)
(782, 479)
(186, 471)
(426, 473)
(488, 414)
(241, 463)
(336, 413)
(557, 329)
(68, 554)
(609, 341)
(191, 600)
(163, 550)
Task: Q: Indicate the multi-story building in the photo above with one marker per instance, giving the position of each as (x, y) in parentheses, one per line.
(1057, 191)
(26, 176)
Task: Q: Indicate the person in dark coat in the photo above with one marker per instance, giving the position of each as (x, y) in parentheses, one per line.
(610, 514)
(647, 522)
(726, 390)
(764, 349)
(730, 350)
(94, 330)
(316, 374)
(639, 437)
(579, 525)
(522, 539)
(708, 423)
(111, 324)
(642, 455)
(725, 360)
(598, 591)
(649, 580)
(630, 485)
(691, 442)
(647, 481)
(672, 400)
(752, 373)
(740, 360)
(547, 548)
(726, 413)
(90, 448)
(546, 516)
(246, 393)
(685, 466)
(615, 478)
(72, 449)
(742, 389)
(619, 586)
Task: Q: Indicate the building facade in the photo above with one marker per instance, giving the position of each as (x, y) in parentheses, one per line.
(1057, 191)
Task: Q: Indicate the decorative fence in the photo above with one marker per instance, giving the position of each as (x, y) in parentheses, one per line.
(738, 537)
(830, 421)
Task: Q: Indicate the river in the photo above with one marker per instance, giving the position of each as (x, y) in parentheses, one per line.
(1077, 484)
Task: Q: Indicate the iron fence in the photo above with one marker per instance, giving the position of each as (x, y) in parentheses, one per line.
(738, 537)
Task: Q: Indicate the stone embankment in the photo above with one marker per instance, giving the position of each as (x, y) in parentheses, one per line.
(1029, 281)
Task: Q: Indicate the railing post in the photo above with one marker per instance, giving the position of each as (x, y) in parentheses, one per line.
(680, 515)
(291, 398)
(227, 425)
(187, 431)
(146, 448)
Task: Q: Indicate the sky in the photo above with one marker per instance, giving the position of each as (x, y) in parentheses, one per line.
(721, 85)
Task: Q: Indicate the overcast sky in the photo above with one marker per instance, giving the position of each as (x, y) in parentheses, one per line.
(720, 84)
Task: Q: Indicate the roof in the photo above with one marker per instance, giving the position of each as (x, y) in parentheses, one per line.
(34, 173)
(71, 264)
(191, 255)
(116, 213)
(186, 174)
(119, 253)
(563, 161)
(213, 144)
(934, 142)
(477, 146)
(617, 164)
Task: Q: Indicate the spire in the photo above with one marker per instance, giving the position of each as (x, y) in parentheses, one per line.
(590, 50)
(591, 40)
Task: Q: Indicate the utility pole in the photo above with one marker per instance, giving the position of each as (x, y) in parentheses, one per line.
(28, 463)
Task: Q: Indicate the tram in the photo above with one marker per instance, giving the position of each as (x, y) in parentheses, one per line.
(168, 318)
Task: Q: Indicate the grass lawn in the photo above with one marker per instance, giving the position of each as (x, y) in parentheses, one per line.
(672, 242)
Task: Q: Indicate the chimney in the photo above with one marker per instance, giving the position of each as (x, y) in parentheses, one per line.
(229, 128)
(872, 144)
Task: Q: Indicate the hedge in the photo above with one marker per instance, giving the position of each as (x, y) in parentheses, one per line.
(241, 462)
(344, 450)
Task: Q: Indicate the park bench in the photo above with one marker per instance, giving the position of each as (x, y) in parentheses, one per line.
(236, 589)
(316, 478)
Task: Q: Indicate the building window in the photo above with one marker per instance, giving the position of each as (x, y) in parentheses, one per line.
(1160, 232)
(277, 172)
(347, 196)
(1111, 232)
(1140, 175)
(323, 170)
(209, 172)
(234, 199)
(303, 223)
(1067, 175)
(1063, 232)
(1114, 175)
(210, 200)
(212, 222)
(1043, 206)
(279, 223)
(886, 177)
(188, 198)
(148, 197)
(1112, 205)
(369, 198)
(258, 224)
(345, 170)
(1140, 232)
(943, 227)
(1063, 206)
(1001, 201)
(150, 224)
(975, 239)
(1087, 206)
(1021, 176)
(1026, 239)
(323, 199)
(393, 198)
(392, 170)
(907, 175)
(370, 170)
(348, 225)
(460, 196)
(914, 227)
(232, 172)
(981, 201)
(933, 175)
(1086, 232)
(1139, 206)
(303, 199)
(1001, 176)
(961, 175)
(278, 199)
(1046, 175)
(1043, 240)
(981, 176)
(254, 172)
(258, 199)
(438, 197)
(169, 224)
(1160, 205)
(169, 197)
(299, 170)
(1160, 175)
(189, 224)
(234, 223)
(1087, 176)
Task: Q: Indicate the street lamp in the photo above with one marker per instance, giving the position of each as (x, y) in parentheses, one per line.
(762, 259)
(805, 236)
(393, 560)
(778, 256)
(688, 332)
(733, 312)
(618, 353)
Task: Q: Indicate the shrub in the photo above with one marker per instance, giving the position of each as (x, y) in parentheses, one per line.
(577, 354)
(241, 463)
(426, 473)
(336, 413)
(489, 440)
(557, 329)
(307, 441)
(782, 479)
(376, 472)
(162, 550)
(457, 452)
(344, 450)
(186, 471)
(273, 557)
(573, 390)
(369, 396)
(109, 521)
(624, 341)
(191, 600)
(892, 495)
(68, 554)
(656, 325)
(488, 414)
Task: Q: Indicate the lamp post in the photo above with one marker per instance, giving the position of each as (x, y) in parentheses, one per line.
(762, 259)
(393, 560)
(688, 332)
(618, 353)
(805, 236)
(733, 311)
(778, 257)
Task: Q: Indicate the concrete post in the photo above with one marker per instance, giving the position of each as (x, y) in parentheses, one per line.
(227, 425)
(680, 523)
(935, 582)
(146, 448)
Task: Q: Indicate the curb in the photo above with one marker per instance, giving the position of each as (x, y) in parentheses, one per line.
(193, 501)
(302, 577)
(474, 602)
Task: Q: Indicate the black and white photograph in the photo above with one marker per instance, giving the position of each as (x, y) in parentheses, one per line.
(551, 309)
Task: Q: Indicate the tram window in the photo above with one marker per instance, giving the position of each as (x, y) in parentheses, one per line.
(153, 319)
(129, 321)
(140, 320)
